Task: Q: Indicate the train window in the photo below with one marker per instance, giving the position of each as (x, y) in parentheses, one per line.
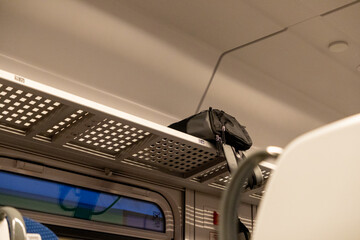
(62, 199)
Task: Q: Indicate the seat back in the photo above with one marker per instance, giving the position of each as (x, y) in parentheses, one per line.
(4, 229)
(33, 227)
(315, 190)
(14, 223)
(14, 227)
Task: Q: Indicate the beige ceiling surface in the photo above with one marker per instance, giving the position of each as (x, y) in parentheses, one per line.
(324, 6)
(346, 20)
(222, 24)
(155, 58)
(288, 84)
(129, 56)
(307, 70)
(269, 115)
(227, 24)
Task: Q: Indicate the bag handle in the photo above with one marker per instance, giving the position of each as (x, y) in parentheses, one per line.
(256, 178)
(230, 157)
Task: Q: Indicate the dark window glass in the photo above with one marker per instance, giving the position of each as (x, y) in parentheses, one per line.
(56, 198)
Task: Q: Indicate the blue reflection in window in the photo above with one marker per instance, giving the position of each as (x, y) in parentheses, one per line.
(56, 198)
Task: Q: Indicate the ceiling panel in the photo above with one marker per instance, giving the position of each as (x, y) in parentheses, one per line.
(222, 24)
(319, 34)
(323, 6)
(284, 12)
(227, 24)
(303, 67)
(347, 20)
(288, 13)
(269, 120)
(125, 55)
(290, 83)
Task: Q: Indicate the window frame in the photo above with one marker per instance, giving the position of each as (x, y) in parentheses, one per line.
(74, 179)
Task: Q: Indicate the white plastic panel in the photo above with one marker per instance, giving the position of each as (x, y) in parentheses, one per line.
(4, 230)
(315, 191)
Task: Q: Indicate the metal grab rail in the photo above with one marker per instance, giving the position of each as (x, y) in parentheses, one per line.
(231, 197)
(16, 223)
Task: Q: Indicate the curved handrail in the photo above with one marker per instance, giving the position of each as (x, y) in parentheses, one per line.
(231, 197)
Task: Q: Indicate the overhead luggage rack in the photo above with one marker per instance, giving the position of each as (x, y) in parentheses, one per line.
(53, 118)
(43, 120)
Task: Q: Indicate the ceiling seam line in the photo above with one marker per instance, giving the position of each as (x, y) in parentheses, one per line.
(227, 52)
(340, 8)
(323, 14)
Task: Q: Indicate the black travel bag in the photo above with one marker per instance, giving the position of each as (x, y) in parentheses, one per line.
(220, 128)
(229, 136)
(216, 126)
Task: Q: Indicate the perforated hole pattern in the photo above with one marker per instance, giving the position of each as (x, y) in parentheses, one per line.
(174, 155)
(110, 137)
(266, 173)
(225, 178)
(65, 123)
(21, 110)
(210, 172)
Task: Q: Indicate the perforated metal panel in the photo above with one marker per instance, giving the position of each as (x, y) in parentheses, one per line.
(110, 136)
(49, 122)
(266, 173)
(174, 155)
(212, 172)
(64, 124)
(221, 180)
(73, 124)
(20, 110)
